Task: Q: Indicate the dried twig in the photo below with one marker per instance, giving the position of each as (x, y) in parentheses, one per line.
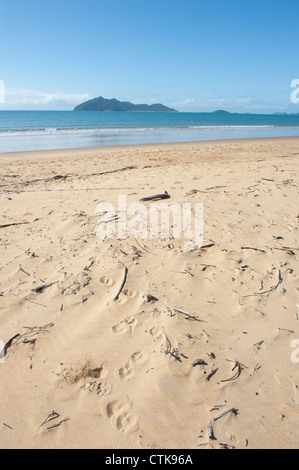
(58, 424)
(199, 362)
(252, 248)
(232, 410)
(272, 289)
(7, 345)
(285, 329)
(41, 288)
(170, 350)
(187, 314)
(50, 417)
(21, 269)
(4, 424)
(13, 224)
(237, 374)
(212, 374)
(211, 432)
(122, 284)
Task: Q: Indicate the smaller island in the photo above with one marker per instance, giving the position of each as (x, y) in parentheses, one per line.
(103, 104)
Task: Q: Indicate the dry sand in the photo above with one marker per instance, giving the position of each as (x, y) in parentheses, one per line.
(88, 371)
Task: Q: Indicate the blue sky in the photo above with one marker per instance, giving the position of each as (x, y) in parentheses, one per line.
(194, 55)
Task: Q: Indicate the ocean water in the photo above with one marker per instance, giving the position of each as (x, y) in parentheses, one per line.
(50, 130)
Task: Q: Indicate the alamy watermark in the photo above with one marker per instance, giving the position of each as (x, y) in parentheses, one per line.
(2, 92)
(156, 220)
(295, 353)
(295, 93)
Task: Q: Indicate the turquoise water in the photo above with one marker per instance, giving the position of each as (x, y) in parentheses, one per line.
(50, 130)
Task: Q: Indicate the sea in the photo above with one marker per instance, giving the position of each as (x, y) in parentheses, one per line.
(22, 131)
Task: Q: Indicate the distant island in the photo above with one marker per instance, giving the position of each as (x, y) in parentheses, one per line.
(103, 104)
(221, 111)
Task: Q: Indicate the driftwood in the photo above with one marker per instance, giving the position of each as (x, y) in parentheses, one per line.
(156, 197)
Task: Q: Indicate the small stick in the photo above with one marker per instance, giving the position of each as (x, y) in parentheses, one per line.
(50, 417)
(21, 269)
(237, 374)
(252, 248)
(274, 287)
(285, 329)
(58, 424)
(7, 345)
(199, 362)
(36, 303)
(232, 410)
(122, 284)
(10, 225)
(42, 288)
(211, 374)
(187, 314)
(7, 425)
(211, 432)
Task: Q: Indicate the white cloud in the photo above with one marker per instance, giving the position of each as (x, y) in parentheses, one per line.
(22, 98)
(242, 104)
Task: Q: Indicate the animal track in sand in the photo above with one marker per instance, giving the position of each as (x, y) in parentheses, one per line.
(130, 292)
(107, 281)
(128, 325)
(120, 414)
(82, 371)
(128, 371)
(104, 389)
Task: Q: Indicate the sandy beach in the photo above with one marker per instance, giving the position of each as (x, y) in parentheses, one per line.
(196, 350)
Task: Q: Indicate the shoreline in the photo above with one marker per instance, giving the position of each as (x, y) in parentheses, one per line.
(154, 146)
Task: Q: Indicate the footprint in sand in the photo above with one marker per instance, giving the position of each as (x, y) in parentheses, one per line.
(120, 414)
(128, 371)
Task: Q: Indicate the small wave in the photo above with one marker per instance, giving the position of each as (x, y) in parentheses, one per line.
(72, 131)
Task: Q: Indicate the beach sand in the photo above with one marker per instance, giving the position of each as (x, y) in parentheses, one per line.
(81, 369)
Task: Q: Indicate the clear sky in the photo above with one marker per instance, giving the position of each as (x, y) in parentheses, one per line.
(194, 55)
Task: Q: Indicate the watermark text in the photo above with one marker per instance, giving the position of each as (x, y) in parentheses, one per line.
(295, 353)
(158, 219)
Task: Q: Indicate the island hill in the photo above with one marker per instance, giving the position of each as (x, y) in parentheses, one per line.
(103, 104)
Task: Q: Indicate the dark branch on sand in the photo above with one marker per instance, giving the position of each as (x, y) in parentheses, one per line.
(122, 284)
(156, 197)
